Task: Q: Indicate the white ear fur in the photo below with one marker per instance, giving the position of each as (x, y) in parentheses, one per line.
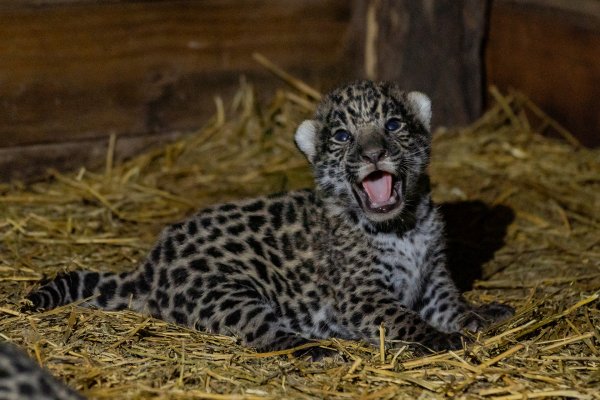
(305, 138)
(421, 106)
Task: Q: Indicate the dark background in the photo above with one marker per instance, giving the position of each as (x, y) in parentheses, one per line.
(73, 72)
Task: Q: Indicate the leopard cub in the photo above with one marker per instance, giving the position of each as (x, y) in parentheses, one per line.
(364, 248)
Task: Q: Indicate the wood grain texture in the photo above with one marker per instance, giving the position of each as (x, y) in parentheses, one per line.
(78, 70)
(431, 46)
(32, 162)
(550, 50)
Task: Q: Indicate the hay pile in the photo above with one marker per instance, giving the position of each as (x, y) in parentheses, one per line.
(523, 212)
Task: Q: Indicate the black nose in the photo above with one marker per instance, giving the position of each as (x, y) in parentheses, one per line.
(374, 155)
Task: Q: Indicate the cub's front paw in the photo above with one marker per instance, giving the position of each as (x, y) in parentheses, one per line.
(315, 353)
(439, 341)
(485, 315)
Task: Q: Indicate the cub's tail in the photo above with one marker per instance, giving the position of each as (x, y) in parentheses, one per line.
(103, 290)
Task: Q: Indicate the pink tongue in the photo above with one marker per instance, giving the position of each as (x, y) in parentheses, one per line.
(378, 186)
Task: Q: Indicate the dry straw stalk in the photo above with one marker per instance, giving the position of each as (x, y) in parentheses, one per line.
(523, 214)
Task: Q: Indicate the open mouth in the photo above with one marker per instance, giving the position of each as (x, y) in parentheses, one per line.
(380, 192)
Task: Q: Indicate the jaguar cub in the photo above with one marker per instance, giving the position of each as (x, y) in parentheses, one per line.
(22, 378)
(364, 248)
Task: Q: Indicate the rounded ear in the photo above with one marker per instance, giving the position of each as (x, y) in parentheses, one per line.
(420, 104)
(305, 138)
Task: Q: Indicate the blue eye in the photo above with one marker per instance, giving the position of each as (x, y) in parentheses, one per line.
(393, 124)
(341, 135)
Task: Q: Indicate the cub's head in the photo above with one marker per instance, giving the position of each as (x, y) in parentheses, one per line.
(369, 146)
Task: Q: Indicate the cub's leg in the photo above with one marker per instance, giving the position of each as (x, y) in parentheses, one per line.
(442, 306)
(400, 323)
(245, 314)
(251, 318)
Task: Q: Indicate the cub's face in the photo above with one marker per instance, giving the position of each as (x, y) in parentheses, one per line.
(368, 145)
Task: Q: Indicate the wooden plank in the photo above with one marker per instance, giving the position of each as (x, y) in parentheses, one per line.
(550, 50)
(431, 46)
(32, 162)
(80, 69)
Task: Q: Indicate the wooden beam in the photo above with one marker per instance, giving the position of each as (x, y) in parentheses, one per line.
(32, 162)
(431, 46)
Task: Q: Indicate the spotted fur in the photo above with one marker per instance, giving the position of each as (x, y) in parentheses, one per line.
(22, 378)
(280, 270)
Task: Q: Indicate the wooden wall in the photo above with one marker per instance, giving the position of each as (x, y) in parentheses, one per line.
(431, 46)
(73, 72)
(550, 50)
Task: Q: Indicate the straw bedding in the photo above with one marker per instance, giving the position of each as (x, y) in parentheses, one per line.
(524, 221)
